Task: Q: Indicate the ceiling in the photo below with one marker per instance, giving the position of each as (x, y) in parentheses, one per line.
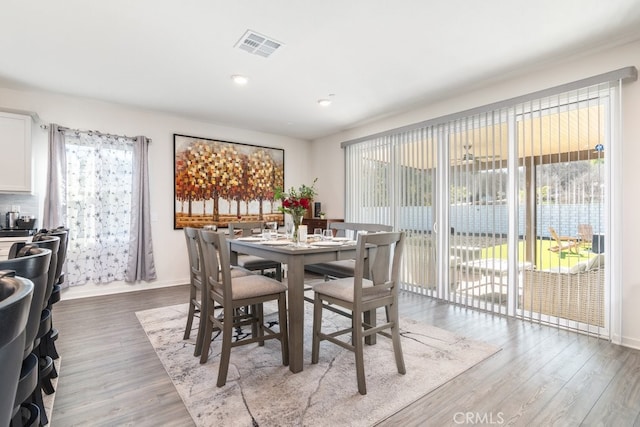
(372, 58)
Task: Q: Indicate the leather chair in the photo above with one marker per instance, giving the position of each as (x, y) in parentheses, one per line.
(47, 369)
(251, 262)
(234, 294)
(374, 285)
(32, 263)
(48, 341)
(15, 300)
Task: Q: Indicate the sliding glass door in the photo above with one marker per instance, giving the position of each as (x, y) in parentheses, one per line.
(504, 210)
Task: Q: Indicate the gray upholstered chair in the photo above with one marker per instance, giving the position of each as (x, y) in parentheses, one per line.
(196, 302)
(233, 295)
(360, 294)
(251, 262)
(195, 284)
(344, 268)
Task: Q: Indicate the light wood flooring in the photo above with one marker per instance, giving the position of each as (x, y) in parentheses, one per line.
(110, 374)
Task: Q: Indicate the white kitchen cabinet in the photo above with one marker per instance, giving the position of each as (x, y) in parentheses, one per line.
(15, 152)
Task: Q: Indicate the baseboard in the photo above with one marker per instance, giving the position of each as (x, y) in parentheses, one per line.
(631, 342)
(92, 290)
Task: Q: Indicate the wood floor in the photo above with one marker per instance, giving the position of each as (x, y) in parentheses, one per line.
(111, 376)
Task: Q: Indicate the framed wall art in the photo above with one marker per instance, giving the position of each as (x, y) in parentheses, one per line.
(217, 182)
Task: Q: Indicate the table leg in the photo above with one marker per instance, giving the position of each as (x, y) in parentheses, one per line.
(295, 281)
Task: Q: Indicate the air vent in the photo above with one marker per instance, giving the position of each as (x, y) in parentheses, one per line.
(257, 44)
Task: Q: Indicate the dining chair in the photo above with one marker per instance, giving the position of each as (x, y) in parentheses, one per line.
(359, 295)
(251, 262)
(196, 301)
(344, 268)
(195, 285)
(233, 295)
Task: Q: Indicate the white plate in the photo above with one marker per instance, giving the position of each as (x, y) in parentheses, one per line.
(250, 239)
(327, 243)
(276, 242)
(341, 239)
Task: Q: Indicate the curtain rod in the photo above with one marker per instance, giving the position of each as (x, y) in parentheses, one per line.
(92, 132)
(626, 74)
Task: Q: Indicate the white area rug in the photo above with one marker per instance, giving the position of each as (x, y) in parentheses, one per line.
(262, 392)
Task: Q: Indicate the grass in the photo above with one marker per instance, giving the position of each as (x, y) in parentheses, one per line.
(545, 259)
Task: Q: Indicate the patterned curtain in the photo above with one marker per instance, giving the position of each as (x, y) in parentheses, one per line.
(103, 184)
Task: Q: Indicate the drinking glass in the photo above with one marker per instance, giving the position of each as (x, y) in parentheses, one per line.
(273, 229)
(317, 233)
(328, 235)
(288, 229)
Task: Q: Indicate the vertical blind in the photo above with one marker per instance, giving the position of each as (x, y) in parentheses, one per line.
(498, 179)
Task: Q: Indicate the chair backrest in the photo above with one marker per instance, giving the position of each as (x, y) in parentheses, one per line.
(217, 265)
(195, 265)
(34, 265)
(342, 228)
(246, 227)
(63, 234)
(45, 241)
(585, 232)
(384, 256)
(15, 300)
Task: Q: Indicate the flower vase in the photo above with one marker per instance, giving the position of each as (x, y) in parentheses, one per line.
(297, 220)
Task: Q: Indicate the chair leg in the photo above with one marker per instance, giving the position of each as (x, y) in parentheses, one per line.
(225, 354)
(317, 327)
(395, 337)
(279, 273)
(284, 331)
(258, 320)
(190, 315)
(206, 338)
(358, 343)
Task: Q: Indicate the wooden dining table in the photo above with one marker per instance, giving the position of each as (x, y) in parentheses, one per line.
(296, 257)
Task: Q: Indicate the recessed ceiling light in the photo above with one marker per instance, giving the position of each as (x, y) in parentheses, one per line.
(324, 102)
(239, 80)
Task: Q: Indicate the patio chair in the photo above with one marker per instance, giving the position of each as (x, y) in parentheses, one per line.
(571, 242)
(575, 293)
(585, 235)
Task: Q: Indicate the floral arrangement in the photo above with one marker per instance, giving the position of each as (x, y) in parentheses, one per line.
(296, 202)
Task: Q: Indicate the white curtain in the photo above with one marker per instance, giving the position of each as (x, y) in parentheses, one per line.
(98, 189)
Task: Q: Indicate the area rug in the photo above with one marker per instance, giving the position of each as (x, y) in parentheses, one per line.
(261, 392)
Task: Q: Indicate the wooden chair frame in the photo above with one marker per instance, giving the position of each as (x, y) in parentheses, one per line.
(360, 296)
(221, 290)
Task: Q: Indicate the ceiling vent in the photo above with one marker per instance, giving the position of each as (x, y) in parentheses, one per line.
(257, 44)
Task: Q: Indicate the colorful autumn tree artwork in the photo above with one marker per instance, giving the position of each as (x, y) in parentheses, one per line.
(223, 172)
(261, 178)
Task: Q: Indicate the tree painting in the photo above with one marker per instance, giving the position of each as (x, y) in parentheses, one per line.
(222, 175)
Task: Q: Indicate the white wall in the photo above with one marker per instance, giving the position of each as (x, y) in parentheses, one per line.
(626, 228)
(169, 244)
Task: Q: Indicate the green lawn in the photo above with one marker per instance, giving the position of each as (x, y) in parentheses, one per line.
(546, 259)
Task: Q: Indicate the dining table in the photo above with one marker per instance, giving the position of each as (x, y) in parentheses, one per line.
(296, 257)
